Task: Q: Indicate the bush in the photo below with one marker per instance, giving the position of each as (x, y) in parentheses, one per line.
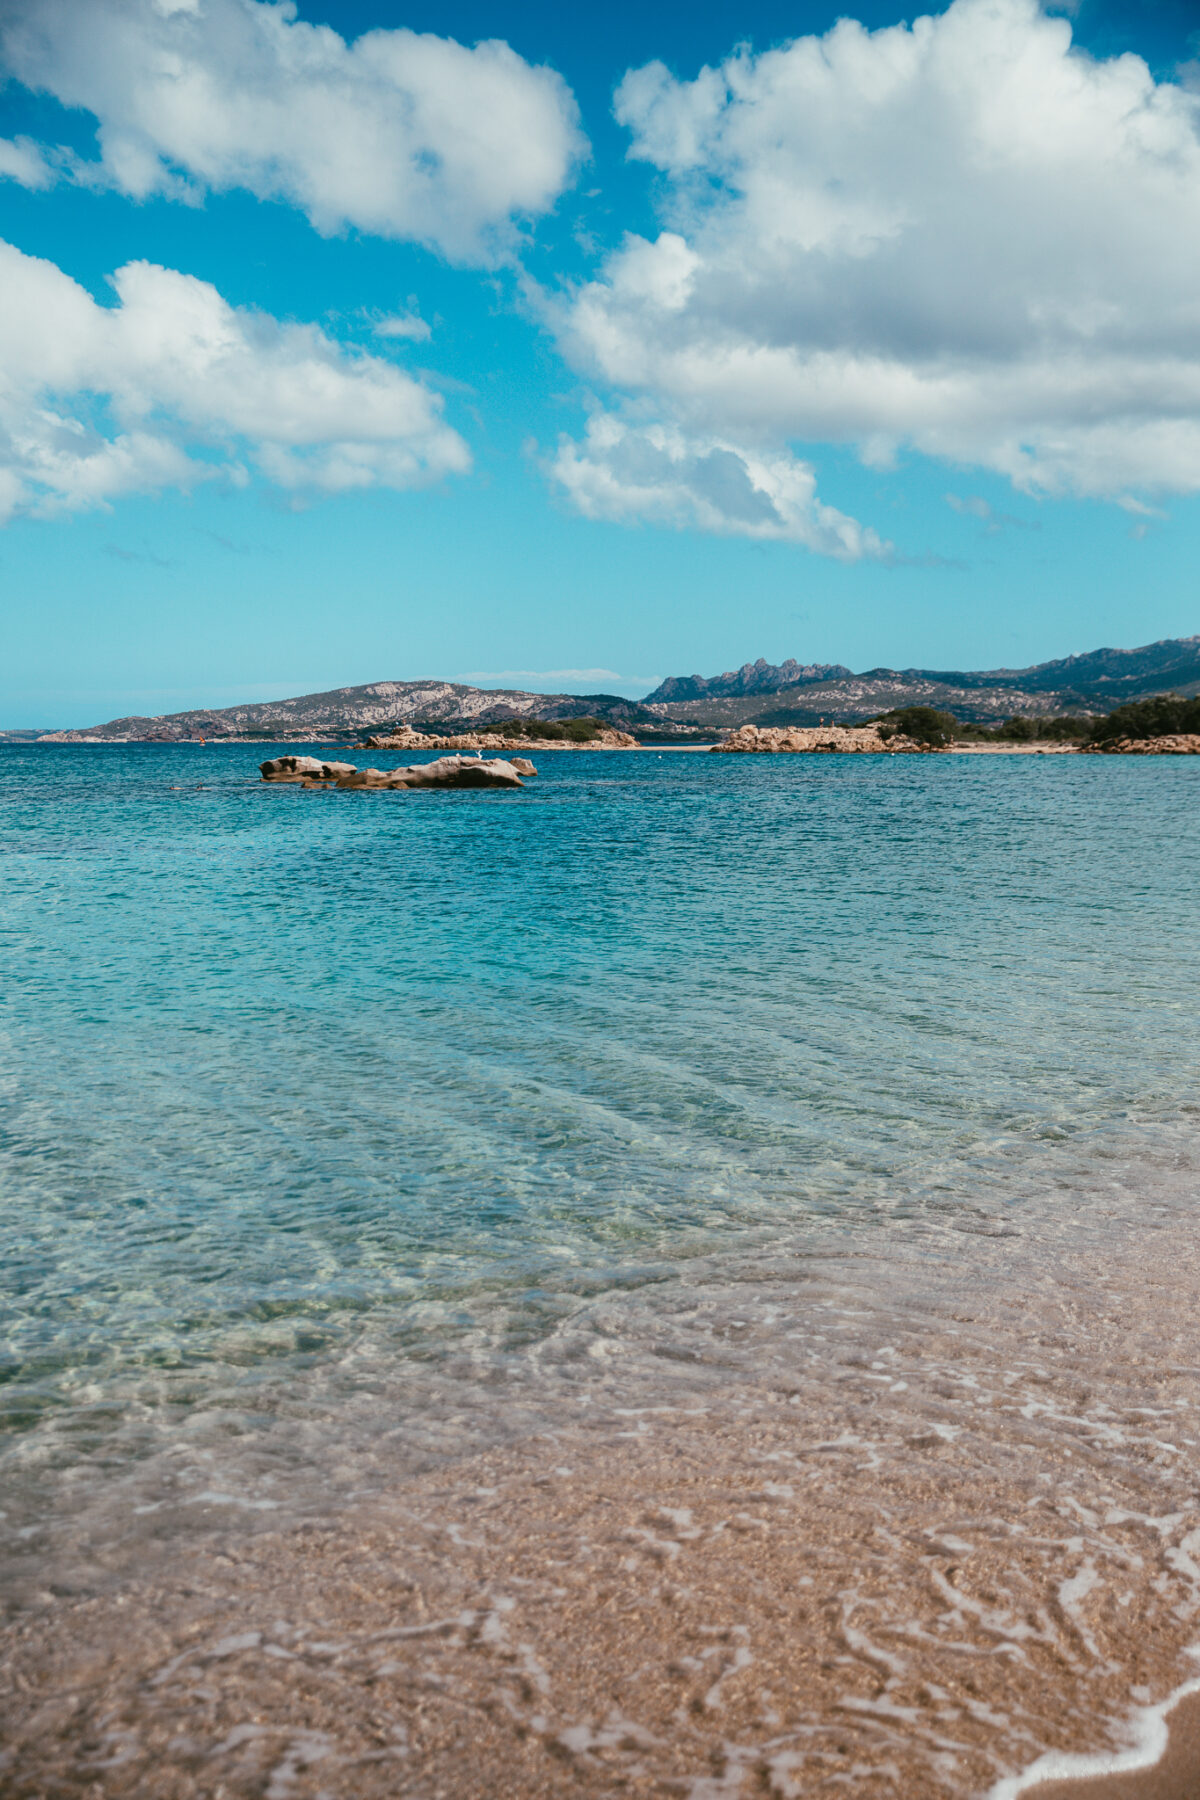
(575, 731)
(924, 724)
(1163, 716)
(1042, 730)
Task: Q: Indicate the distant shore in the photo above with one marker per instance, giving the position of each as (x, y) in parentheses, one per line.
(827, 744)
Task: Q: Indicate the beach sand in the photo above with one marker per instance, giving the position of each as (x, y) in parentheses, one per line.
(905, 1548)
(1174, 1776)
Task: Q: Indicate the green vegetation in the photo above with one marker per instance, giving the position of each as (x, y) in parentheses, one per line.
(1163, 716)
(1060, 730)
(1166, 715)
(924, 724)
(575, 731)
(1064, 728)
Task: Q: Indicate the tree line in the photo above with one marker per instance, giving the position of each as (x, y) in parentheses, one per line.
(1164, 715)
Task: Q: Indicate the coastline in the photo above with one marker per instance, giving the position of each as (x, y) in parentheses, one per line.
(536, 746)
(1164, 1763)
(1035, 749)
(805, 1395)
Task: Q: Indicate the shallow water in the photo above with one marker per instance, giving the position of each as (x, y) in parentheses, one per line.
(346, 1136)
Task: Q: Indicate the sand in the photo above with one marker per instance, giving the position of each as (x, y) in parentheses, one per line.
(1174, 1776)
(931, 1520)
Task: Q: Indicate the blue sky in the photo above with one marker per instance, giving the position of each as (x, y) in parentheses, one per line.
(872, 347)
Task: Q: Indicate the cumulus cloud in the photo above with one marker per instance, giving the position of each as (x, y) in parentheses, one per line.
(962, 236)
(658, 474)
(172, 385)
(402, 134)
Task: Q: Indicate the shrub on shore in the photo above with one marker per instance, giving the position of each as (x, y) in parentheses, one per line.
(1166, 715)
(575, 731)
(1063, 729)
(924, 724)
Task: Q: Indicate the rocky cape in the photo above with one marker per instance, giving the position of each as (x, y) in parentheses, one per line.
(822, 740)
(490, 740)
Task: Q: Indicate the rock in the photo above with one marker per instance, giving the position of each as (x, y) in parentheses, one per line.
(447, 771)
(1180, 744)
(522, 765)
(459, 772)
(290, 768)
(818, 740)
(607, 739)
(398, 740)
(303, 769)
(364, 778)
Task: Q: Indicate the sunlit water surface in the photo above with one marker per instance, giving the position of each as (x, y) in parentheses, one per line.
(329, 1120)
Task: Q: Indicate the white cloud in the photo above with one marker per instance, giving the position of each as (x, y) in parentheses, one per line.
(404, 325)
(401, 134)
(974, 506)
(661, 475)
(173, 384)
(961, 236)
(22, 160)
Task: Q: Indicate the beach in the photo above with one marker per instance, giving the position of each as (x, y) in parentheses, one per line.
(909, 1563)
(631, 1329)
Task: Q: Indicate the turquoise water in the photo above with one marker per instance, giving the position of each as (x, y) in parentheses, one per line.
(309, 1098)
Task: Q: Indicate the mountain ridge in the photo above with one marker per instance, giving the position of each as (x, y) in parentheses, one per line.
(1095, 667)
(758, 693)
(1092, 681)
(336, 711)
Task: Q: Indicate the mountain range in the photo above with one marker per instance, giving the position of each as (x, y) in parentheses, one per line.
(790, 693)
(759, 692)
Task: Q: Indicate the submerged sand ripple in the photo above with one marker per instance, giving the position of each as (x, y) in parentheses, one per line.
(964, 1529)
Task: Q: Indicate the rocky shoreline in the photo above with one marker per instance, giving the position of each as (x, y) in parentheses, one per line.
(491, 740)
(869, 739)
(1179, 744)
(821, 739)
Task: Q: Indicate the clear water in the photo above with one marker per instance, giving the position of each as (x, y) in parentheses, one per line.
(326, 1111)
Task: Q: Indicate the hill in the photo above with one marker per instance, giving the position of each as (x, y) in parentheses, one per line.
(759, 693)
(343, 711)
(764, 694)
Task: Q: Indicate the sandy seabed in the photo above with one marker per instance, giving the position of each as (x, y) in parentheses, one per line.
(908, 1546)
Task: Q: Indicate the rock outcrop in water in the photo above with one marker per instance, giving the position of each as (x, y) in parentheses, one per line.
(818, 739)
(303, 768)
(445, 772)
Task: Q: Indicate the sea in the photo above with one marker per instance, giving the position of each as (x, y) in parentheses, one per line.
(685, 1139)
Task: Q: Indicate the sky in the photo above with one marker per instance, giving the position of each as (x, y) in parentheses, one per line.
(568, 349)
